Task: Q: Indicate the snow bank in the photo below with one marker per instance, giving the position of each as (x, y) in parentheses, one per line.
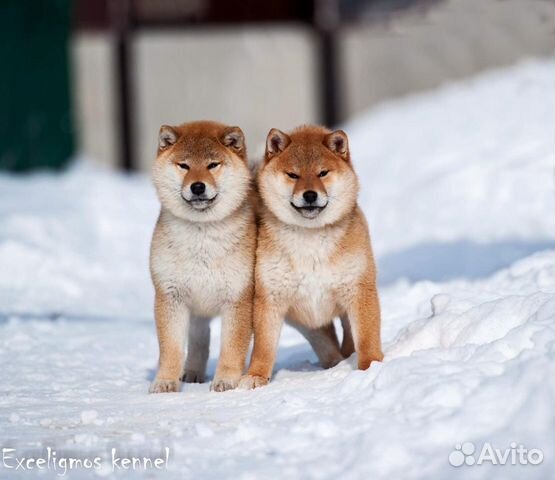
(471, 162)
(458, 188)
(76, 243)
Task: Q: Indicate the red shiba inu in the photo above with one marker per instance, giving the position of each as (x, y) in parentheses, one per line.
(314, 259)
(202, 253)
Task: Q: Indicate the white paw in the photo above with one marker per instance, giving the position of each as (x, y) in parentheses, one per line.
(192, 376)
(164, 386)
(223, 384)
(250, 382)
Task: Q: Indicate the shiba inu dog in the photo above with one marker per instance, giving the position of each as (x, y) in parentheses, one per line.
(202, 253)
(314, 259)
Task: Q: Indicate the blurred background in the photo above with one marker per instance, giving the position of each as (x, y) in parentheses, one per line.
(97, 78)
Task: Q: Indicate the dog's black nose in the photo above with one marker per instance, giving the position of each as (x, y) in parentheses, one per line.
(310, 196)
(198, 188)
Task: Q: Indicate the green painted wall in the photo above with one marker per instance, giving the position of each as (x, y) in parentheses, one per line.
(36, 129)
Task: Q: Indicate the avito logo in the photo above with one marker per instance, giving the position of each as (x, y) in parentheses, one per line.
(466, 454)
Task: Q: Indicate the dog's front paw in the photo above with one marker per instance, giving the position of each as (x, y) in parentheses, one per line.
(224, 384)
(191, 376)
(164, 386)
(250, 382)
(364, 362)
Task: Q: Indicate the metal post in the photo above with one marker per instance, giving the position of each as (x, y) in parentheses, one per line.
(120, 11)
(326, 19)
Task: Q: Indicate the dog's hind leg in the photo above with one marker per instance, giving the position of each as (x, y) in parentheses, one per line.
(197, 350)
(324, 342)
(347, 344)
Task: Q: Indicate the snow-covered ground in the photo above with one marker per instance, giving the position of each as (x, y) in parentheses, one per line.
(458, 190)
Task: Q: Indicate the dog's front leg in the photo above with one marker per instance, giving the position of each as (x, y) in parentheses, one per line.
(267, 322)
(172, 322)
(235, 340)
(364, 319)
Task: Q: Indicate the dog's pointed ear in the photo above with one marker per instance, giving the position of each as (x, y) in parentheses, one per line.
(166, 137)
(338, 143)
(276, 142)
(234, 139)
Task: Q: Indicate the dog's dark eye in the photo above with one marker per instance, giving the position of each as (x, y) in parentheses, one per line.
(184, 166)
(212, 165)
(292, 175)
(323, 173)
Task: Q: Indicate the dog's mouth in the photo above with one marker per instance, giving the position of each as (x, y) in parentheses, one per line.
(309, 211)
(200, 203)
